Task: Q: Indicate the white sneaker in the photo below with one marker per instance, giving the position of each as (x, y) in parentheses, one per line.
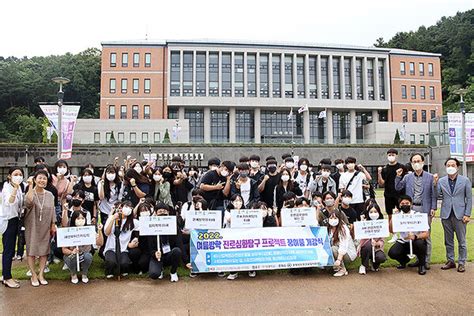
(221, 274)
(340, 273)
(56, 260)
(46, 269)
(17, 258)
(85, 279)
(232, 276)
(74, 279)
(362, 270)
(65, 267)
(394, 239)
(252, 274)
(174, 277)
(161, 276)
(124, 274)
(109, 276)
(28, 273)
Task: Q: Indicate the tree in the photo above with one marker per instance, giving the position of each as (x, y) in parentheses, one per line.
(397, 140)
(29, 125)
(166, 138)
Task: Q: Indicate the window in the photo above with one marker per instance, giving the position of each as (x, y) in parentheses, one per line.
(146, 112)
(430, 70)
(113, 59)
(111, 111)
(123, 112)
(201, 74)
(383, 116)
(274, 125)
(264, 76)
(136, 59)
(348, 78)
(239, 75)
(362, 119)
(336, 78)
(423, 92)
(317, 128)
(402, 68)
(414, 116)
(413, 92)
(124, 59)
(112, 85)
(244, 125)
(276, 75)
(108, 136)
(213, 74)
(341, 122)
(422, 139)
(219, 126)
(96, 138)
(360, 93)
(381, 74)
(156, 138)
(412, 68)
(423, 116)
(313, 86)
(188, 74)
(121, 137)
(135, 85)
(172, 113)
(196, 125)
(226, 75)
(147, 60)
(133, 138)
(147, 84)
(421, 69)
(412, 139)
(251, 75)
(432, 114)
(405, 115)
(324, 78)
(432, 93)
(404, 92)
(144, 138)
(288, 76)
(135, 112)
(370, 79)
(124, 85)
(175, 84)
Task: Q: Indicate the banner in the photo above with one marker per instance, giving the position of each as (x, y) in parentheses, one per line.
(266, 248)
(157, 225)
(455, 137)
(68, 124)
(203, 220)
(371, 229)
(304, 216)
(410, 223)
(246, 218)
(76, 236)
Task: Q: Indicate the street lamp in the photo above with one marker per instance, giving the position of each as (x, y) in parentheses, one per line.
(61, 81)
(461, 93)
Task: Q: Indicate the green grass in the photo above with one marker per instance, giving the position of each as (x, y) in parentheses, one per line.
(97, 269)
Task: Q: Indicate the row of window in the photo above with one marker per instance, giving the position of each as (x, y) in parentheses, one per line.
(136, 60)
(414, 115)
(124, 112)
(212, 74)
(421, 69)
(422, 92)
(124, 85)
(132, 138)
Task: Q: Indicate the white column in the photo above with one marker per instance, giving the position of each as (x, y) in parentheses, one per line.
(375, 116)
(232, 125)
(353, 78)
(318, 76)
(207, 125)
(270, 75)
(387, 79)
(364, 79)
(245, 74)
(306, 127)
(306, 76)
(257, 75)
(295, 77)
(282, 75)
(220, 73)
(194, 74)
(376, 79)
(181, 113)
(256, 123)
(207, 73)
(181, 81)
(232, 70)
(342, 77)
(329, 127)
(353, 127)
(331, 79)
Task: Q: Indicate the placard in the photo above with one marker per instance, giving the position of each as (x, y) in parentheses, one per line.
(76, 236)
(203, 220)
(293, 217)
(157, 225)
(246, 218)
(371, 229)
(404, 223)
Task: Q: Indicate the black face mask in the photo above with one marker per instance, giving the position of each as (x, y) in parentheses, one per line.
(290, 204)
(167, 175)
(272, 169)
(405, 208)
(76, 202)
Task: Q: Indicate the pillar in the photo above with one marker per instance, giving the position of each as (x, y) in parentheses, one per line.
(257, 131)
(353, 127)
(330, 131)
(232, 126)
(207, 125)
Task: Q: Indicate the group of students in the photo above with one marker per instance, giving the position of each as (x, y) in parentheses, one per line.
(34, 206)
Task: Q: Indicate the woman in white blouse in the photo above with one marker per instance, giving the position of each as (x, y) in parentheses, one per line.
(342, 244)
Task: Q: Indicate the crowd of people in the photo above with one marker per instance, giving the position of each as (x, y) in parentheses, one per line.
(341, 191)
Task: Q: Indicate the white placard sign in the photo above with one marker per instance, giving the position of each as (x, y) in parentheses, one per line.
(371, 229)
(410, 223)
(294, 217)
(203, 220)
(157, 225)
(76, 236)
(246, 218)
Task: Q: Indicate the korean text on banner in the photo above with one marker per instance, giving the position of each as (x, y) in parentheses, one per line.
(203, 220)
(157, 225)
(404, 223)
(305, 216)
(76, 236)
(246, 218)
(371, 229)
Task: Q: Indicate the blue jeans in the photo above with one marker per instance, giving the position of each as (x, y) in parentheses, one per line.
(8, 241)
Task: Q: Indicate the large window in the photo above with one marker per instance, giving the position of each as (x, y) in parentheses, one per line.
(244, 124)
(147, 84)
(288, 76)
(412, 68)
(172, 113)
(423, 116)
(421, 68)
(146, 112)
(324, 78)
(135, 85)
(112, 85)
(135, 112)
(124, 59)
(226, 75)
(201, 74)
(251, 75)
(381, 74)
(362, 119)
(136, 59)
(124, 86)
(123, 112)
(113, 59)
(275, 124)
(414, 116)
(147, 60)
(276, 80)
(336, 78)
(196, 125)
(348, 77)
(402, 68)
(300, 76)
(264, 76)
(188, 74)
(370, 79)
(238, 74)
(313, 86)
(405, 115)
(432, 93)
(430, 70)
(317, 128)
(404, 92)
(175, 74)
(341, 122)
(413, 92)
(213, 74)
(111, 111)
(360, 92)
(422, 92)
(219, 126)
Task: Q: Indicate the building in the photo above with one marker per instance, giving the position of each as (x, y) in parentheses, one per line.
(234, 92)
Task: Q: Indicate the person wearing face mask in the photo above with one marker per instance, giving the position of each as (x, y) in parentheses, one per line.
(12, 197)
(256, 172)
(110, 191)
(386, 178)
(302, 177)
(63, 181)
(212, 164)
(419, 186)
(77, 200)
(342, 244)
(139, 247)
(90, 166)
(353, 180)
(78, 219)
(180, 187)
(245, 186)
(89, 187)
(329, 207)
(323, 182)
(401, 249)
(455, 192)
(268, 215)
(137, 186)
(194, 178)
(216, 184)
(336, 176)
(268, 183)
(160, 187)
(346, 208)
(364, 249)
(289, 164)
(285, 184)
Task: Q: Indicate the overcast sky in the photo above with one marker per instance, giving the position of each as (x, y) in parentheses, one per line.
(46, 27)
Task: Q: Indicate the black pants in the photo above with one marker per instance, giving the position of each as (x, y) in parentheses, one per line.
(111, 264)
(359, 208)
(140, 260)
(170, 259)
(390, 204)
(103, 220)
(400, 251)
(366, 256)
(20, 246)
(9, 241)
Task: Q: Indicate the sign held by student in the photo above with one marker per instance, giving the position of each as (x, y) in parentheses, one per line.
(203, 220)
(246, 218)
(371, 229)
(157, 225)
(405, 223)
(294, 217)
(76, 236)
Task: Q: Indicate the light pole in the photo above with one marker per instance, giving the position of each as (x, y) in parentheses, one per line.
(61, 81)
(462, 92)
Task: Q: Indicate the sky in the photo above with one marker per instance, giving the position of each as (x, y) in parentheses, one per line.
(50, 27)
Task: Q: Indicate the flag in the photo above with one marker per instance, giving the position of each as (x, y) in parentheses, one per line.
(322, 114)
(290, 115)
(303, 109)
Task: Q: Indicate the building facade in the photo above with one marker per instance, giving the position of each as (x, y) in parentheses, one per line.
(232, 92)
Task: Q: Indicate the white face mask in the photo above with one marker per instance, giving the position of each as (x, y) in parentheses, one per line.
(340, 166)
(17, 179)
(451, 170)
(127, 211)
(304, 167)
(157, 177)
(80, 221)
(391, 158)
(417, 166)
(346, 200)
(138, 168)
(290, 165)
(334, 221)
(329, 202)
(110, 176)
(374, 215)
(224, 173)
(325, 174)
(351, 166)
(62, 170)
(254, 164)
(87, 179)
(237, 204)
(285, 178)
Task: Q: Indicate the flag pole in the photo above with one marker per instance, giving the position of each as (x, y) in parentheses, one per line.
(292, 132)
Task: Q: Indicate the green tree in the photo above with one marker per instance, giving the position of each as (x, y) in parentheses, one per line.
(166, 138)
(397, 140)
(30, 128)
